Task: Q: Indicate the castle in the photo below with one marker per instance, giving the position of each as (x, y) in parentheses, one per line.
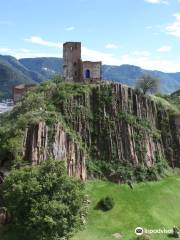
(76, 70)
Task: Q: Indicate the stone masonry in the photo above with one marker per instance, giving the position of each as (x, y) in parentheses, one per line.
(75, 69)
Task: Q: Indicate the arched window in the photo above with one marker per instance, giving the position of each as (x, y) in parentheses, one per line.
(87, 73)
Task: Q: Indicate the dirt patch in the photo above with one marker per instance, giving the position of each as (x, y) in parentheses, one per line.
(117, 235)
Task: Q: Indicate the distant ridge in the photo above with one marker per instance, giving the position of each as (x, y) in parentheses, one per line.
(36, 70)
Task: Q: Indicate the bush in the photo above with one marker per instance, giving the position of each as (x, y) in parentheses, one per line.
(106, 203)
(152, 174)
(45, 203)
(140, 173)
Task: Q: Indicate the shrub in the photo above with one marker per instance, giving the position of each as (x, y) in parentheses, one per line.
(152, 174)
(106, 203)
(45, 203)
(140, 173)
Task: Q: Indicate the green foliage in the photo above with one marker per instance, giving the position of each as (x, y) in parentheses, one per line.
(152, 174)
(121, 172)
(106, 203)
(143, 237)
(45, 203)
(65, 90)
(140, 125)
(113, 170)
(140, 173)
(168, 102)
(57, 79)
(106, 95)
(175, 99)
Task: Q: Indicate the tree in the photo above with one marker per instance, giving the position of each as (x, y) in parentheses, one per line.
(147, 83)
(45, 203)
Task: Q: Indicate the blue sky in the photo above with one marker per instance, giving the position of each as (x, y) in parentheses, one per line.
(145, 33)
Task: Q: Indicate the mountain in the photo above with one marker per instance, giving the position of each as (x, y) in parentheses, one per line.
(12, 72)
(47, 67)
(36, 70)
(128, 74)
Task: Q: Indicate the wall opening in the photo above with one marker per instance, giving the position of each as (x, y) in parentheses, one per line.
(87, 73)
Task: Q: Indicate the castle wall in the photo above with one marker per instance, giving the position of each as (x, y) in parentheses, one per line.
(74, 69)
(20, 90)
(92, 71)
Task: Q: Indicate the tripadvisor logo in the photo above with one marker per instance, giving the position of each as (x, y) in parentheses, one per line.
(139, 231)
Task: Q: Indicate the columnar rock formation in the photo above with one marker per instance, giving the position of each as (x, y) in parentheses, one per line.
(115, 124)
(43, 142)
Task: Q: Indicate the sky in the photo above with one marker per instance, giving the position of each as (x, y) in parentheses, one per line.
(145, 33)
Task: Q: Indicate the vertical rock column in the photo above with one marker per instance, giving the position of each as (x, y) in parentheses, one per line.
(42, 143)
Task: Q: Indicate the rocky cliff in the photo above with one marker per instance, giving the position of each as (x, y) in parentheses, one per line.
(42, 142)
(111, 128)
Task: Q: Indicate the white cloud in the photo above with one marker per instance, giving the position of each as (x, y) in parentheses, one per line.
(27, 53)
(71, 28)
(174, 27)
(40, 41)
(5, 50)
(24, 50)
(147, 61)
(94, 55)
(111, 46)
(166, 48)
(158, 1)
(151, 63)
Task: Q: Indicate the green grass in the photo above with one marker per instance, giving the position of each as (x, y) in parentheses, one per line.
(168, 105)
(151, 205)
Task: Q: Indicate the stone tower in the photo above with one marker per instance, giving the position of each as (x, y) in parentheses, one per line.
(72, 69)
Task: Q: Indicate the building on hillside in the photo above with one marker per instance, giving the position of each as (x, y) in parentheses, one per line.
(20, 90)
(74, 69)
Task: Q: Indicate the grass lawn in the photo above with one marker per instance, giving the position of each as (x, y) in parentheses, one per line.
(151, 205)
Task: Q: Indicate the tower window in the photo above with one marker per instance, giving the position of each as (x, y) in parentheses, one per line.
(71, 48)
